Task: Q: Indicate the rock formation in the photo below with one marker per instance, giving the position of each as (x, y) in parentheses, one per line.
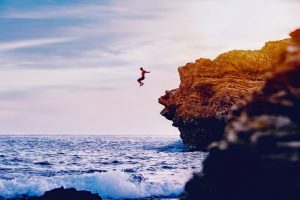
(65, 194)
(60, 194)
(199, 107)
(259, 157)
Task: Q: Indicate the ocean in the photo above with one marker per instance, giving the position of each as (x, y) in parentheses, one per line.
(115, 167)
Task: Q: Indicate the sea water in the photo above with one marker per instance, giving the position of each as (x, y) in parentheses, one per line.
(115, 167)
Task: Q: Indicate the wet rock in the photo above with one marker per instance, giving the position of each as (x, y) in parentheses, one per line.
(208, 88)
(259, 158)
(62, 194)
(65, 194)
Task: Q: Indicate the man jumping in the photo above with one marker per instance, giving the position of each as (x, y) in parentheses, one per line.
(143, 76)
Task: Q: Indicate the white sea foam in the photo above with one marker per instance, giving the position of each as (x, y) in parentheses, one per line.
(115, 185)
(127, 166)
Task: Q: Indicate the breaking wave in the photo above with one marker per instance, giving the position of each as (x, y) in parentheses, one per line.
(111, 185)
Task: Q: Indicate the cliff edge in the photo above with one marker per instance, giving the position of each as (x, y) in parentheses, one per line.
(259, 157)
(208, 88)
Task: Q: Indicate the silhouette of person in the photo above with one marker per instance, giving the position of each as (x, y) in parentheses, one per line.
(143, 76)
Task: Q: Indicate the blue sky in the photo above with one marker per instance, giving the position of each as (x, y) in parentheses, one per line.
(70, 66)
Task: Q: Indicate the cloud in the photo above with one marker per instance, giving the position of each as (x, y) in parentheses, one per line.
(29, 93)
(32, 43)
(74, 66)
(13, 95)
(86, 10)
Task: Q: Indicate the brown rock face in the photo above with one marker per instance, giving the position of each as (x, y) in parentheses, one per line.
(276, 108)
(199, 107)
(259, 157)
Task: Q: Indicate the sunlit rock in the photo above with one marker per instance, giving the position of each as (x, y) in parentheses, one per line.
(208, 88)
(259, 158)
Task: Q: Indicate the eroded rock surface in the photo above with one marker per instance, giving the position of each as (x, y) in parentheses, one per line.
(208, 88)
(259, 157)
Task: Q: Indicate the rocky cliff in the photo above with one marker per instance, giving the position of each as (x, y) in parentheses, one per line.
(259, 158)
(208, 88)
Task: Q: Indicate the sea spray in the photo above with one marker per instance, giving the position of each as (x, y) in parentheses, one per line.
(113, 167)
(113, 185)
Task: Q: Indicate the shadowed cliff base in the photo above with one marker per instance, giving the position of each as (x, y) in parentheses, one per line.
(208, 89)
(259, 158)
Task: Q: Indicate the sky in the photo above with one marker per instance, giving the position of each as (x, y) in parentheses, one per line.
(70, 66)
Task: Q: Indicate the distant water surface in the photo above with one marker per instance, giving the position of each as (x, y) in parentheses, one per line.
(115, 167)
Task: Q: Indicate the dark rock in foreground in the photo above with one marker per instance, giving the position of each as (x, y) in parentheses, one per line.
(259, 159)
(62, 194)
(208, 88)
(65, 194)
